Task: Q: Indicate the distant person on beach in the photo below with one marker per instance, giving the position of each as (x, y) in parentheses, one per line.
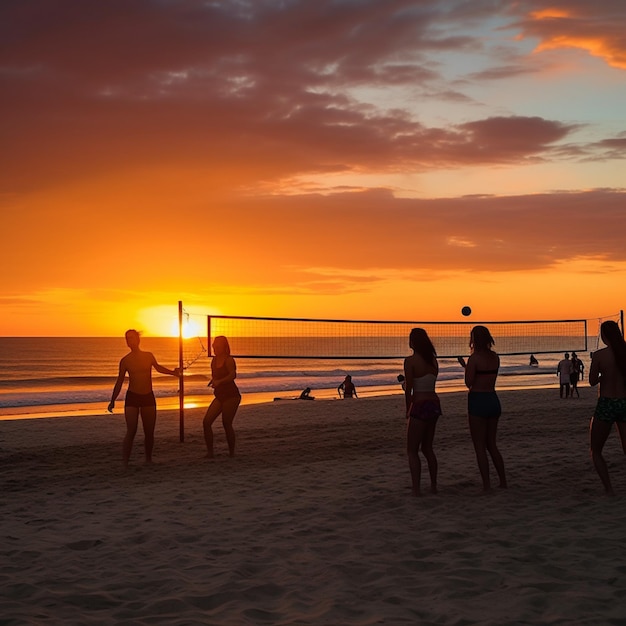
(533, 361)
(306, 394)
(483, 404)
(227, 397)
(573, 378)
(422, 407)
(140, 399)
(347, 388)
(608, 369)
(564, 372)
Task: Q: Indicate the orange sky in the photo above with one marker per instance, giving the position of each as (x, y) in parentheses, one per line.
(362, 160)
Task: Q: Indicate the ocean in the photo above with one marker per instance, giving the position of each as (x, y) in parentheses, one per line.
(44, 376)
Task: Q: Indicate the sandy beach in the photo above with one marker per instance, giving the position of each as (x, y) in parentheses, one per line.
(312, 522)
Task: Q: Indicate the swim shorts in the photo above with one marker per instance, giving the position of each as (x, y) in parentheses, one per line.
(611, 410)
(426, 409)
(226, 391)
(139, 399)
(484, 404)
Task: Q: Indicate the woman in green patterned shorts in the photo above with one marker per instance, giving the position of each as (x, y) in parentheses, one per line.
(608, 368)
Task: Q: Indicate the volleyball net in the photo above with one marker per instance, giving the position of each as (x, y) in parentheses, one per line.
(303, 338)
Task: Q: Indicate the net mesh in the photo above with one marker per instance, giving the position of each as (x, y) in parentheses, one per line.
(595, 341)
(265, 337)
(193, 344)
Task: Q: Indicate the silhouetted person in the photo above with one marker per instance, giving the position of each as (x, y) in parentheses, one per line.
(483, 404)
(573, 379)
(227, 397)
(533, 361)
(564, 372)
(347, 388)
(139, 399)
(422, 407)
(608, 369)
(306, 394)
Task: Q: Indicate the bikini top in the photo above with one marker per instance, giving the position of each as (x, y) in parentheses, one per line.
(219, 372)
(424, 383)
(487, 372)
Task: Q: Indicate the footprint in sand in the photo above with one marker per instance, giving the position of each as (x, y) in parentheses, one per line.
(84, 544)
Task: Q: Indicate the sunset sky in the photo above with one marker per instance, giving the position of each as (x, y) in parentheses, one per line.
(358, 159)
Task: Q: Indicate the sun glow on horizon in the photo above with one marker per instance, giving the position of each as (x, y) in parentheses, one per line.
(162, 321)
(191, 328)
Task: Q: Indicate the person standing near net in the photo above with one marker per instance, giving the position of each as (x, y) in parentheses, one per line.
(422, 407)
(573, 378)
(564, 372)
(227, 397)
(608, 369)
(140, 400)
(483, 404)
(347, 388)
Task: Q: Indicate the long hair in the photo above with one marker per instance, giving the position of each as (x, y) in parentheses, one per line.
(481, 339)
(420, 343)
(223, 343)
(612, 336)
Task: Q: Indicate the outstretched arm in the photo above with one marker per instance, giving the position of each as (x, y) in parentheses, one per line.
(164, 370)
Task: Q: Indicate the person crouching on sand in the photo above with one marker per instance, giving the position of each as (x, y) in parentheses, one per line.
(139, 396)
(608, 369)
(422, 407)
(227, 396)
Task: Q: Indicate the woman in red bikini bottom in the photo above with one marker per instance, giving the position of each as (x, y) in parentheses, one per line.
(422, 407)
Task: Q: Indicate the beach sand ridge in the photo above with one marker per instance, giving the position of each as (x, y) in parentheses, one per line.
(312, 522)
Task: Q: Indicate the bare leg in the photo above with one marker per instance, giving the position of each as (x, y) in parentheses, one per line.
(414, 434)
(212, 413)
(478, 431)
(148, 419)
(429, 453)
(131, 415)
(229, 410)
(496, 457)
(621, 429)
(598, 434)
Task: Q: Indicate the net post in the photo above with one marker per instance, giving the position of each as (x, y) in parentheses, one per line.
(181, 383)
(208, 335)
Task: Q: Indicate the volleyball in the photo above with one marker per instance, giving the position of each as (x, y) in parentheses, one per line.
(466, 311)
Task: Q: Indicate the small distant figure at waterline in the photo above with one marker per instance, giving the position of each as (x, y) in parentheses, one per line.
(347, 388)
(306, 394)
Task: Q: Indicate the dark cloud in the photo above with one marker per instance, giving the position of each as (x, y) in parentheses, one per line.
(374, 229)
(257, 90)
